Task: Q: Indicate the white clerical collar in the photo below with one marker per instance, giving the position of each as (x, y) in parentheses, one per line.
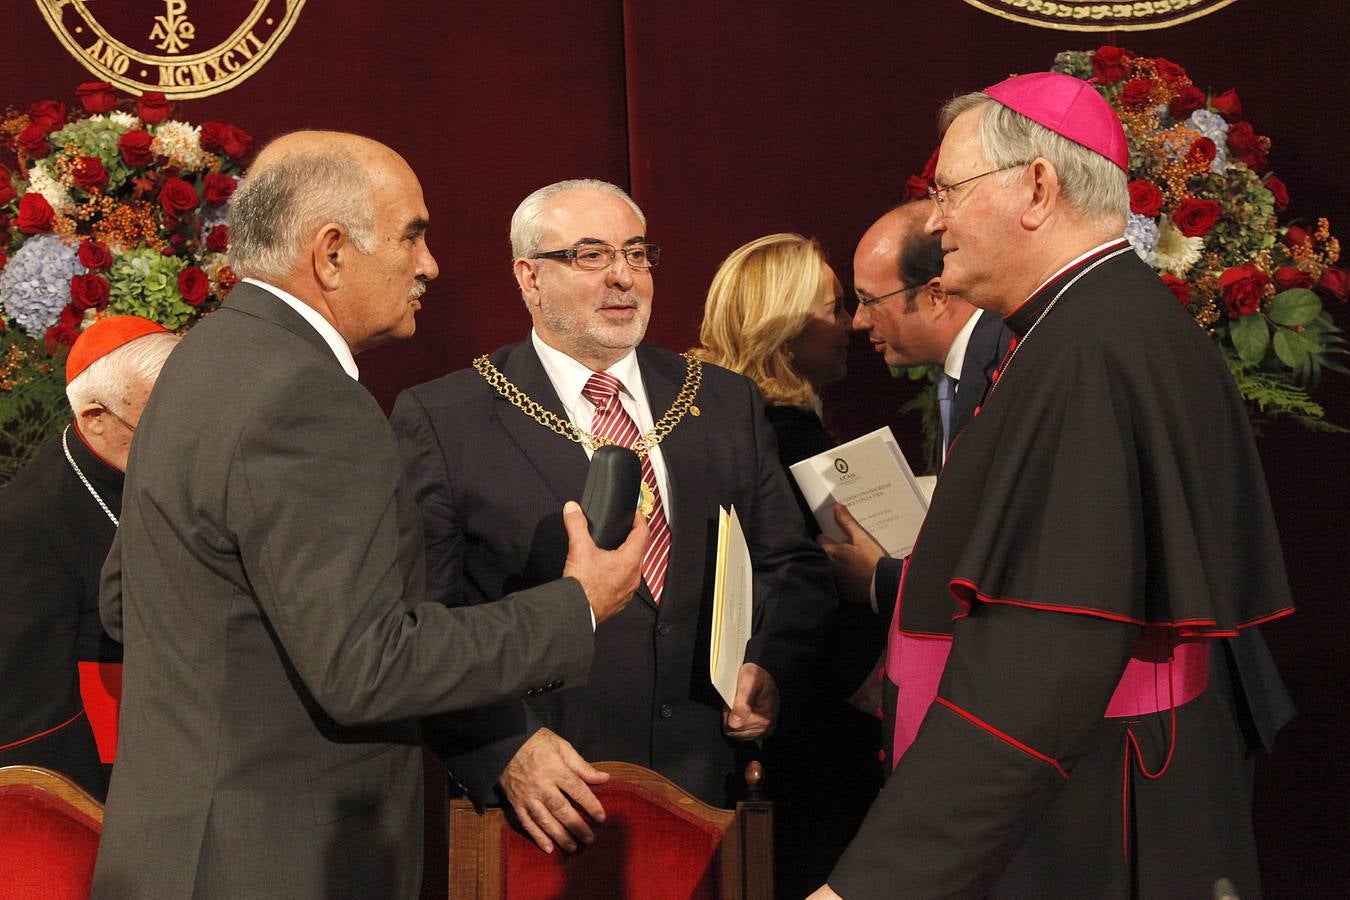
(1070, 264)
(569, 376)
(956, 353)
(335, 341)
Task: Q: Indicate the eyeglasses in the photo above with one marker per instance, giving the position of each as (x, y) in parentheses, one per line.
(865, 302)
(108, 409)
(601, 256)
(939, 194)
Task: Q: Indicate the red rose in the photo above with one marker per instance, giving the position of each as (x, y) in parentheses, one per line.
(1335, 282)
(1279, 192)
(89, 173)
(1201, 153)
(97, 96)
(1168, 70)
(218, 239)
(60, 335)
(1289, 277)
(89, 292)
(1195, 218)
(1110, 64)
(152, 107)
(35, 214)
(1145, 198)
(49, 115)
(1188, 100)
(1180, 288)
(1248, 146)
(218, 137)
(1227, 104)
(1243, 287)
(177, 196)
(135, 148)
(930, 167)
(1297, 236)
(33, 141)
(1135, 92)
(7, 192)
(95, 255)
(193, 284)
(70, 316)
(218, 188)
(238, 143)
(916, 188)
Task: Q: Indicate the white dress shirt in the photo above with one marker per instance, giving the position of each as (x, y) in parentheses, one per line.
(335, 341)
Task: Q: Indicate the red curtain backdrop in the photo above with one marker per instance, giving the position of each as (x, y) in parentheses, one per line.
(729, 121)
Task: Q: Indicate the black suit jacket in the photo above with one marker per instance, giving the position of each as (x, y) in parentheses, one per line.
(491, 483)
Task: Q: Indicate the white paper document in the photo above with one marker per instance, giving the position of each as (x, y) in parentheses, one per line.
(733, 605)
(872, 478)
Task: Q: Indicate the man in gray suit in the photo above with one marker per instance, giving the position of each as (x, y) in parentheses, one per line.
(268, 577)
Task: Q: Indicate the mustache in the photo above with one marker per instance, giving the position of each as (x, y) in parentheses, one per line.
(620, 299)
(418, 289)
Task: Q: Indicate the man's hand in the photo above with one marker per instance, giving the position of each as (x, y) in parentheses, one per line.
(543, 781)
(756, 708)
(824, 892)
(854, 559)
(609, 577)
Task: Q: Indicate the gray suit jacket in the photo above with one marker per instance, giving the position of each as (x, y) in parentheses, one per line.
(267, 581)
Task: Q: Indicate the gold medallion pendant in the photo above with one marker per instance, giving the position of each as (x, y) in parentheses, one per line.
(646, 499)
(181, 48)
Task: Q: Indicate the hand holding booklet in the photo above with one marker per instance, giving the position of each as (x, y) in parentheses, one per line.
(733, 605)
(872, 478)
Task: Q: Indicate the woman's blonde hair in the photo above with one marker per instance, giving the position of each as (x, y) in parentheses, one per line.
(759, 300)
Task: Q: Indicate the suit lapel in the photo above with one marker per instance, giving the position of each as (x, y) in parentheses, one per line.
(983, 354)
(252, 300)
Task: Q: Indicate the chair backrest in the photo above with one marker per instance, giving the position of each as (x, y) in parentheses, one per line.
(657, 842)
(49, 831)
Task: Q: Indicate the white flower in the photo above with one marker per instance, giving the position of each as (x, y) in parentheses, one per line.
(41, 179)
(126, 120)
(1175, 253)
(182, 144)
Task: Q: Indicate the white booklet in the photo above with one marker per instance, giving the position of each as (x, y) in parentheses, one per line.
(733, 605)
(872, 478)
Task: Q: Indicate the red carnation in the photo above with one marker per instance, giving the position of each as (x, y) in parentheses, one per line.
(1297, 236)
(1145, 198)
(1279, 191)
(1227, 104)
(33, 141)
(1248, 146)
(177, 196)
(218, 239)
(95, 255)
(1188, 100)
(7, 192)
(1243, 287)
(1195, 218)
(1168, 70)
(193, 284)
(218, 188)
(97, 96)
(1110, 64)
(89, 173)
(1180, 288)
(152, 107)
(89, 292)
(1335, 282)
(1135, 92)
(35, 214)
(1288, 277)
(135, 148)
(49, 115)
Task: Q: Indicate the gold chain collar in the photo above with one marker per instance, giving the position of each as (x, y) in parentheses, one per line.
(684, 403)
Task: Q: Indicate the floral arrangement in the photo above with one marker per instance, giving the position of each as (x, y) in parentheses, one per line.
(1205, 212)
(113, 209)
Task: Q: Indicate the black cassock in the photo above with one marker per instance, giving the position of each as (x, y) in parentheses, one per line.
(1099, 539)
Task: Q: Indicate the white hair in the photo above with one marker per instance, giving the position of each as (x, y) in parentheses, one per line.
(107, 379)
(275, 213)
(527, 223)
(1091, 183)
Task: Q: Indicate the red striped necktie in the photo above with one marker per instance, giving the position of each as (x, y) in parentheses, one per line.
(613, 422)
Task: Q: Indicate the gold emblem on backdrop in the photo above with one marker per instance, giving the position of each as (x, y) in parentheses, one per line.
(1100, 15)
(183, 48)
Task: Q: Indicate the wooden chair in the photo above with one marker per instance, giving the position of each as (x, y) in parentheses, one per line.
(49, 832)
(657, 843)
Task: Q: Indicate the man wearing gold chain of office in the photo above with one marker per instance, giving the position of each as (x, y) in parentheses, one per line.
(491, 452)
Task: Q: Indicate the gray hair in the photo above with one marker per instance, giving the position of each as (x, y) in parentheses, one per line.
(106, 379)
(527, 223)
(1091, 183)
(274, 213)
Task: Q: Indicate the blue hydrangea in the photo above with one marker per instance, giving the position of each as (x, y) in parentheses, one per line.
(1212, 125)
(35, 284)
(1142, 233)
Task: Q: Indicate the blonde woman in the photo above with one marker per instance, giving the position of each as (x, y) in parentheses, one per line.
(775, 313)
